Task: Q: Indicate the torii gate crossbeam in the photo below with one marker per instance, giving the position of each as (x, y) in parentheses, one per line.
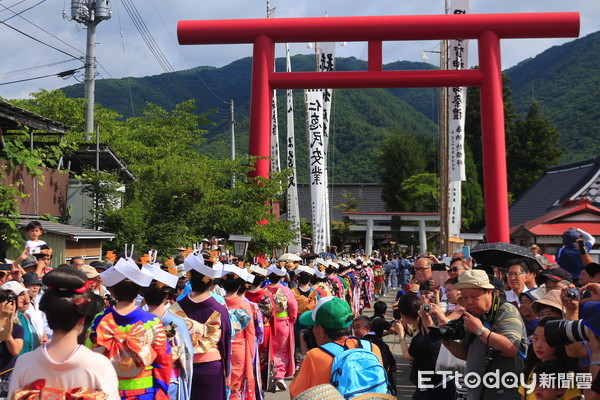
(488, 29)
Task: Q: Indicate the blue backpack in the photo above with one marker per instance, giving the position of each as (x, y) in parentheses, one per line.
(356, 371)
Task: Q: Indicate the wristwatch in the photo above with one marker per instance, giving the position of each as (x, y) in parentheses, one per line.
(480, 331)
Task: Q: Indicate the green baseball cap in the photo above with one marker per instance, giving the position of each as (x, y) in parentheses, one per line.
(330, 313)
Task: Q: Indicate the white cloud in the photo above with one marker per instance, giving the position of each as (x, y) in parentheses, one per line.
(161, 17)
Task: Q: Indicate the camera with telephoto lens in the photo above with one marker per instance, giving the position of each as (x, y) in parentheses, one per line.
(562, 332)
(453, 330)
(571, 294)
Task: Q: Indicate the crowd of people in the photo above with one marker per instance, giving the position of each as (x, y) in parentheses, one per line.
(201, 326)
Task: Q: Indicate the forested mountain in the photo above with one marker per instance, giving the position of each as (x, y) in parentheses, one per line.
(563, 80)
(360, 119)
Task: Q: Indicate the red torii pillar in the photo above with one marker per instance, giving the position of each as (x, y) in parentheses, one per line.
(488, 29)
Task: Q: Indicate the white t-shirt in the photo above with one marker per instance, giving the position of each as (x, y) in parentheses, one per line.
(34, 247)
(83, 368)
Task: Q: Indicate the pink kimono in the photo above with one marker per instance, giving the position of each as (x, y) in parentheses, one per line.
(282, 332)
(243, 383)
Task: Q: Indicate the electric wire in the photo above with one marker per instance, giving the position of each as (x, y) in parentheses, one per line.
(40, 41)
(18, 71)
(63, 74)
(147, 36)
(154, 47)
(125, 59)
(21, 12)
(187, 62)
(40, 28)
(14, 5)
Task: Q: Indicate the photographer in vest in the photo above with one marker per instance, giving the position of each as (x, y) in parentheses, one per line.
(331, 321)
(493, 339)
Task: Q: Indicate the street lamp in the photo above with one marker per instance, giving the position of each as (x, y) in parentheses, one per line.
(240, 245)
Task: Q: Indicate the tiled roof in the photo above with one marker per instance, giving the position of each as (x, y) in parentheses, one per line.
(73, 233)
(558, 221)
(368, 194)
(557, 184)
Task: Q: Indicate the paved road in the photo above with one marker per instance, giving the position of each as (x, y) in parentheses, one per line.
(404, 387)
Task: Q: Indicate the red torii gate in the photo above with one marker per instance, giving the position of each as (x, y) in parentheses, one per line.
(488, 29)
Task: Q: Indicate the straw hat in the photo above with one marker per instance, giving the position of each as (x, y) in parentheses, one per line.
(325, 391)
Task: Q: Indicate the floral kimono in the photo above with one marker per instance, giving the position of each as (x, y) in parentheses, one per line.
(243, 383)
(281, 354)
(210, 330)
(137, 346)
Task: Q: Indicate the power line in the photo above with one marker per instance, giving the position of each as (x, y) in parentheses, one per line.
(147, 36)
(39, 27)
(125, 58)
(21, 12)
(63, 74)
(14, 5)
(188, 63)
(39, 41)
(18, 71)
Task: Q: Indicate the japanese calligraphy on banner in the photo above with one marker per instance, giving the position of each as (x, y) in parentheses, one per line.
(314, 106)
(454, 212)
(326, 64)
(457, 97)
(275, 167)
(457, 59)
(293, 209)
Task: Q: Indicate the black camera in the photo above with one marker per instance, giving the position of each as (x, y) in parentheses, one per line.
(562, 332)
(426, 308)
(453, 330)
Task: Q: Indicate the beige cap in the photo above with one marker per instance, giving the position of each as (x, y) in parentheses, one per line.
(474, 279)
(89, 271)
(551, 299)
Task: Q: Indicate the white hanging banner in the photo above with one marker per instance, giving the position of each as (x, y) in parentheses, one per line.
(326, 64)
(314, 107)
(275, 167)
(293, 209)
(454, 212)
(457, 59)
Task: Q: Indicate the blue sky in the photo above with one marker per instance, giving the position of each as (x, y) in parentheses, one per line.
(122, 52)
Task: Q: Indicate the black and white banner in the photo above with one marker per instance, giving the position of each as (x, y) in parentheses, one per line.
(314, 107)
(293, 209)
(457, 59)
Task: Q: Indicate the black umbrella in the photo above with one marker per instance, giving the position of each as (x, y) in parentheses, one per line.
(308, 256)
(499, 253)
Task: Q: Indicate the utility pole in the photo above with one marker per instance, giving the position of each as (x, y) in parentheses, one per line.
(232, 127)
(89, 13)
(444, 168)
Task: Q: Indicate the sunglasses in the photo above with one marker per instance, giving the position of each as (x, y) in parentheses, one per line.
(454, 269)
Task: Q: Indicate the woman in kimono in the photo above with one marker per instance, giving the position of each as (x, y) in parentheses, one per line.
(281, 357)
(266, 304)
(159, 294)
(63, 367)
(131, 338)
(243, 382)
(210, 328)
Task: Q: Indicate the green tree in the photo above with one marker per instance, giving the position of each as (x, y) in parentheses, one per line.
(532, 146)
(340, 230)
(401, 156)
(421, 192)
(180, 195)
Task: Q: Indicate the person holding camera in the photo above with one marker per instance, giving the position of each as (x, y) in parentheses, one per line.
(422, 352)
(494, 337)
